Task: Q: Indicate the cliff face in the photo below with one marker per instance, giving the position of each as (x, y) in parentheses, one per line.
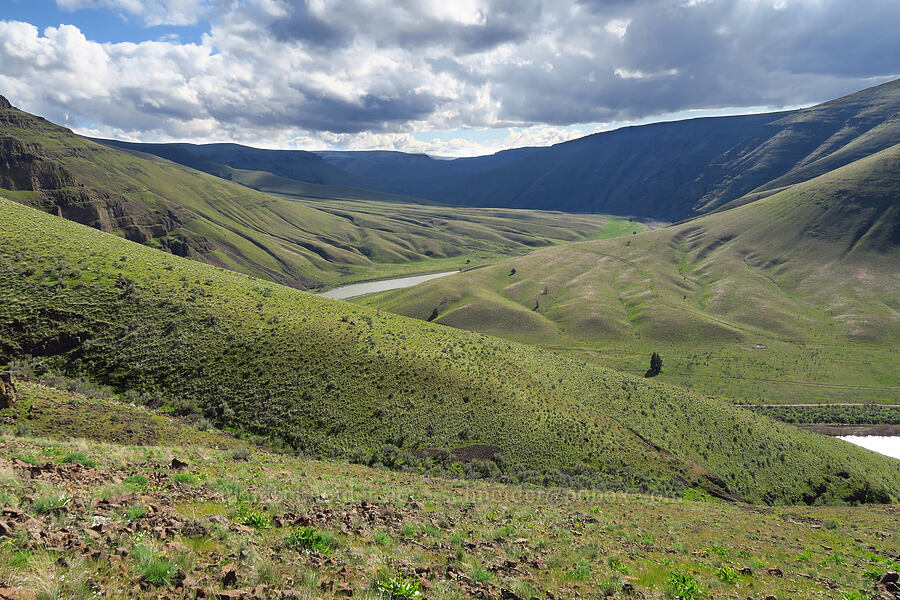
(40, 166)
(22, 167)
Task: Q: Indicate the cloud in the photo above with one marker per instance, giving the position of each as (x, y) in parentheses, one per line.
(151, 12)
(380, 72)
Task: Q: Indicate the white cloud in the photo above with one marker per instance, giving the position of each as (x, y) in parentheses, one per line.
(151, 12)
(629, 74)
(617, 27)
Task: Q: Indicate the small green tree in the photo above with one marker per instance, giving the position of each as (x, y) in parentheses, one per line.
(655, 365)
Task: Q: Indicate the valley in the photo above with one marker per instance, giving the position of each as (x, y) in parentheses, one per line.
(308, 239)
(247, 374)
(790, 298)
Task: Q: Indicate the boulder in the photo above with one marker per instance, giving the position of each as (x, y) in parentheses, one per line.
(8, 393)
(229, 575)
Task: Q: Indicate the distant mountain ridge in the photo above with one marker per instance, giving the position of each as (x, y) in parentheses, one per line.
(668, 171)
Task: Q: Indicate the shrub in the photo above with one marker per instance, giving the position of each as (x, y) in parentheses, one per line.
(309, 539)
(138, 480)
(655, 365)
(382, 539)
(185, 478)
(242, 454)
(683, 585)
(616, 565)
(872, 574)
(580, 570)
(250, 517)
(132, 513)
(395, 586)
(696, 495)
(833, 559)
(481, 575)
(727, 574)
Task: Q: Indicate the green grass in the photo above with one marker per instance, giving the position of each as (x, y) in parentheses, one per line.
(808, 273)
(152, 566)
(325, 377)
(302, 241)
(308, 539)
(51, 503)
(565, 542)
(79, 458)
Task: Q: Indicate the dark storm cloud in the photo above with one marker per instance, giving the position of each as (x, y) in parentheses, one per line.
(300, 24)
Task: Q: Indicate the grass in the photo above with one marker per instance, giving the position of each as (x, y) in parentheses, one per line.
(789, 299)
(153, 567)
(79, 458)
(672, 547)
(325, 377)
(51, 503)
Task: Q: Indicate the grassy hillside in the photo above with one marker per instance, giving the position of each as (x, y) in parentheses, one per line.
(300, 241)
(809, 273)
(102, 517)
(336, 379)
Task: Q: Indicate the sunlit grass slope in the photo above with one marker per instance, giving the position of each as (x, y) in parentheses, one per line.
(365, 527)
(333, 378)
(301, 241)
(811, 273)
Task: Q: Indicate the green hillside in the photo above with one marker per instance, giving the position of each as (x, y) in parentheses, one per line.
(791, 298)
(105, 514)
(334, 379)
(301, 241)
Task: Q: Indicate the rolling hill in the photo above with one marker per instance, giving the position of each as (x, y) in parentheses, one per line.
(665, 171)
(334, 379)
(792, 297)
(318, 234)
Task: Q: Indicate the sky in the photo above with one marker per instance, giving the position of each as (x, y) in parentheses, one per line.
(444, 77)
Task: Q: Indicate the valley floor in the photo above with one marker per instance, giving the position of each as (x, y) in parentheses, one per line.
(110, 517)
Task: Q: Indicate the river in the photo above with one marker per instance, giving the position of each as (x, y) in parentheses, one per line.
(382, 285)
(889, 445)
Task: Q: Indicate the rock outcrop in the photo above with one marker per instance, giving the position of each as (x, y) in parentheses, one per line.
(8, 394)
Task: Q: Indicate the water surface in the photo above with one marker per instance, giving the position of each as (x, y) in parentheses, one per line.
(370, 287)
(889, 445)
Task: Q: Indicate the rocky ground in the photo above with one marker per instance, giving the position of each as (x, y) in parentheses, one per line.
(90, 519)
